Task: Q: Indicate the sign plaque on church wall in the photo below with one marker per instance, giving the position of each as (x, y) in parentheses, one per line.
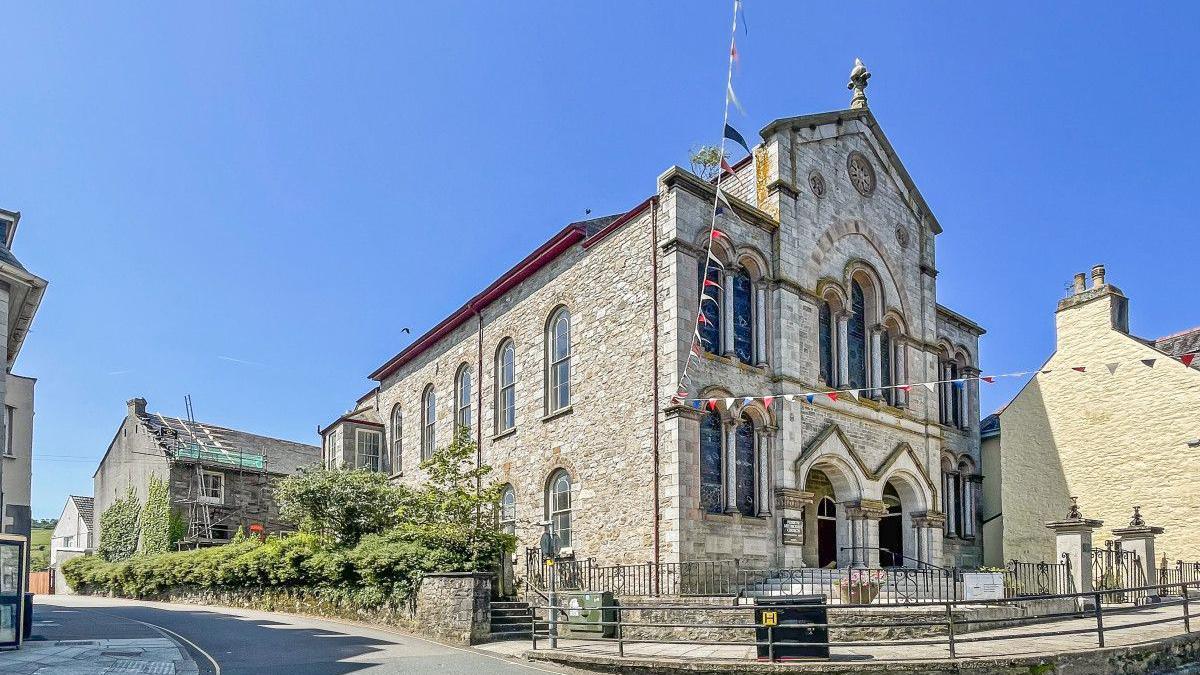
(793, 531)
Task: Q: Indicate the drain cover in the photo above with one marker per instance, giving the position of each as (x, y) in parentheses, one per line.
(121, 652)
(73, 643)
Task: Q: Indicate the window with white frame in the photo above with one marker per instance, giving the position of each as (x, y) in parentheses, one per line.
(366, 449)
(462, 402)
(558, 361)
(558, 506)
(506, 387)
(212, 487)
(428, 420)
(397, 439)
(508, 510)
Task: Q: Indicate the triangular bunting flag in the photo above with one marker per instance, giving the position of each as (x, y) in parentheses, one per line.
(713, 259)
(809, 397)
(710, 298)
(710, 282)
(1187, 359)
(854, 393)
(697, 404)
(931, 386)
(1149, 363)
(712, 404)
(958, 384)
(989, 379)
(703, 319)
(717, 233)
(832, 395)
(733, 135)
(1112, 367)
(789, 397)
(733, 52)
(722, 199)
(905, 388)
(1079, 369)
(732, 98)
(726, 167)
(748, 400)
(729, 403)
(767, 401)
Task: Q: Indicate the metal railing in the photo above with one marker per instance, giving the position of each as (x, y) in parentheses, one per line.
(1178, 573)
(950, 625)
(1039, 578)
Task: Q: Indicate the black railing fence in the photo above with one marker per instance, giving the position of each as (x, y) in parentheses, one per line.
(1114, 568)
(1039, 578)
(951, 628)
(1178, 573)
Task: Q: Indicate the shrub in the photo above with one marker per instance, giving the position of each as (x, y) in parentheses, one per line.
(338, 504)
(119, 528)
(156, 518)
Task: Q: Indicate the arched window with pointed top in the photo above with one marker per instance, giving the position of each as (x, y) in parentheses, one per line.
(428, 422)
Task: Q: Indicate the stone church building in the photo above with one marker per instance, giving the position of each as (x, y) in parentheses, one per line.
(566, 368)
(1122, 433)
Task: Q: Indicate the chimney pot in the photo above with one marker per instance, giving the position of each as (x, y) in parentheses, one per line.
(1097, 276)
(137, 406)
(1079, 283)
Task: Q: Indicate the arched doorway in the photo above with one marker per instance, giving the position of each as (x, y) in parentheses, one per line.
(891, 529)
(826, 533)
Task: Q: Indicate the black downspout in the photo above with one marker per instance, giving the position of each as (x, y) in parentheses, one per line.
(654, 377)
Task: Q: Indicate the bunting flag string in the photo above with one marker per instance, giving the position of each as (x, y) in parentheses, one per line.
(720, 202)
(956, 383)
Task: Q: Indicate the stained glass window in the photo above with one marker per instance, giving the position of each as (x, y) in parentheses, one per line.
(744, 466)
(857, 337)
(711, 432)
(885, 361)
(825, 337)
(710, 308)
(743, 318)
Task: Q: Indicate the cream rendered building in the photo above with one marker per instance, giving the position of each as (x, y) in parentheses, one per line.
(1115, 435)
(564, 370)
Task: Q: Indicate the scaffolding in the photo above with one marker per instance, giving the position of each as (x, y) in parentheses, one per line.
(196, 446)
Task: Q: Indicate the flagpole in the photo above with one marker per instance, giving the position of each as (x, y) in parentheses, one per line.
(712, 225)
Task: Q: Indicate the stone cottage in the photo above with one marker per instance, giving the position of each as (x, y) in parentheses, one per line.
(1123, 432)
(565, 372)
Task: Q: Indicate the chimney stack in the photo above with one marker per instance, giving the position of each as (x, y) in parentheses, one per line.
(137, 406)
(1097, 276)
(1079, 283)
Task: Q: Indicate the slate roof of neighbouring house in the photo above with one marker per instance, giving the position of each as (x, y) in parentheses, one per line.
(86, 507)
(280, 456)
(1178, 344)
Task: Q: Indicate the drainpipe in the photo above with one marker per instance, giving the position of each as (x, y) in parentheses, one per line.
(654, 372)
(478, 399)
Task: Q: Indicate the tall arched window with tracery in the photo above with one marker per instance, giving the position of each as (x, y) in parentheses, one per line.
(712, 433)
(397, 455)
(743, 476)
(462, 404)
(506, 387)
(825, 343)
(743, 318)
(709, 321)
(856, 332)
(428, 422)
(558, 361)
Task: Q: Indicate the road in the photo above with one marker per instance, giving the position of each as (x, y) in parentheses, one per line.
(223, 641)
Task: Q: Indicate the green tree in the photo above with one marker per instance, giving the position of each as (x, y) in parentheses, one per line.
(339, 504)
(119, 528)
(706, 161)
(156, 518)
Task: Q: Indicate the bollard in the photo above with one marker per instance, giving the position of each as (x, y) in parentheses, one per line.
(1099, 620)
(1187, 624)
(771, 643)
(620, 634)
(950, 627)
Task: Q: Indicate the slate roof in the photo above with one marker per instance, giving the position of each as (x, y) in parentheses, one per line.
(1185, 342)
(279, 456)
(86, 506)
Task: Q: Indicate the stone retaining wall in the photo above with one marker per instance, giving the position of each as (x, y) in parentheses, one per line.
(452, 606)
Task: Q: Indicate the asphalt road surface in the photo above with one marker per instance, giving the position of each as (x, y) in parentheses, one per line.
(226, 641)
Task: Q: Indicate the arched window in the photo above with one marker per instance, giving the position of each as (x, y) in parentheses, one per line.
(825, 337)
(428, 420)
(462, 402)
(506, 387)
(956, 385)
(711, 437)
(710, 307)
(885, 367)
(558, 506)
(508, 510)
(558, 353)
(743, 317)
(856, 333)
(397, 439)
(743, 457)
(950, 496)
(966, 499)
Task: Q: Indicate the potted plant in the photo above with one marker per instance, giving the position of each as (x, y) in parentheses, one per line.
(861, 587)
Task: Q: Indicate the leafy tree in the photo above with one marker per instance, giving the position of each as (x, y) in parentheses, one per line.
(706, 161)
(339, 504)
(156, 518)
(119, 528)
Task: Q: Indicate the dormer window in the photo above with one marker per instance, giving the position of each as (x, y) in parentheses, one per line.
(5, 226)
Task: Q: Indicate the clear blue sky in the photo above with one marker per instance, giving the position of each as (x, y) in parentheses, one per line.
(288, 184)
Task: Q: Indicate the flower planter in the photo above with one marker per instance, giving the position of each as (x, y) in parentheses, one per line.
(862, 593)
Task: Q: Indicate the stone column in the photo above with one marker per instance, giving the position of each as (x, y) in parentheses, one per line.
(727, 313)
(863, 517)
(843, 349)
(766, 447)
(1073, 537)
(792, 505)
(730, 464)
(876, 374)
(900, 346)
(927, 528)
(760, 325)
(1139, 538)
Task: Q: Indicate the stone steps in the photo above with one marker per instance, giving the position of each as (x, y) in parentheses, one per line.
(511, 621)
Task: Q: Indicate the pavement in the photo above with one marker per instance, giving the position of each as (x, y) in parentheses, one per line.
(78, 635)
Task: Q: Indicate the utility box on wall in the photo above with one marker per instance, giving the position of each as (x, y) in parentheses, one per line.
(589, 613)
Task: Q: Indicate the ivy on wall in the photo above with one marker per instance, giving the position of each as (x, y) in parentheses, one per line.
(156, 518)
(119, 528)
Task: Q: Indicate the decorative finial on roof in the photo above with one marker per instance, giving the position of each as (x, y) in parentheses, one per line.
(858, 84)
(1074, 513)
(1137, 520)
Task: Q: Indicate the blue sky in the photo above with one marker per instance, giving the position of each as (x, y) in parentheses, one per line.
(247, 202)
